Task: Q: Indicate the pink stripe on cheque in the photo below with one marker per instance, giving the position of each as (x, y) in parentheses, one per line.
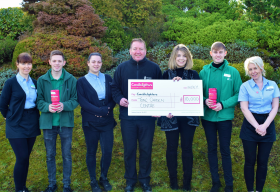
(141, 85)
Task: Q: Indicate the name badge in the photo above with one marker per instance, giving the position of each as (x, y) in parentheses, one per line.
(270, 88)
(33, 87)
(227, 75)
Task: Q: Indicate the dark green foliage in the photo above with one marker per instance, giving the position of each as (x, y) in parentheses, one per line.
(195, 8)
(262, 10)
(14, 22)
(207, 29)
(7, 47)
(116, 37)
(126, 19)
(5, 74)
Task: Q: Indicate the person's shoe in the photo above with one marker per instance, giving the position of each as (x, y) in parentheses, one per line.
(67, 189)
(215, 187)
(51, 189)
(146, 187)
(25, 189)
(129, 188)
(105, 184)
(229, 189)
(187, 186)
(95, 187)
(174, 184)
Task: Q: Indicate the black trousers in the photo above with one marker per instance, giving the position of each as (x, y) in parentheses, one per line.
(22, 148)
(143, 132)
(256, 151)
(224, 129)
(172, 137)
(106, 142)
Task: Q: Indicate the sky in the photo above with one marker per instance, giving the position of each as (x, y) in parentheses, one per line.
(10, 3)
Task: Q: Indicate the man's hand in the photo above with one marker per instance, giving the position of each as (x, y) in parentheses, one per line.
(209, 103)
(218, 107)
(53, 108)
(169, 116)
(60, 108)
(124, 102)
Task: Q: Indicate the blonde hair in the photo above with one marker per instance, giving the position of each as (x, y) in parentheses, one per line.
(138, 40)
(218, 45)
(172, 60)
(257, 61)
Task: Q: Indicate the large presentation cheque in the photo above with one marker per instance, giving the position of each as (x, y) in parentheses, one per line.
(160, 97)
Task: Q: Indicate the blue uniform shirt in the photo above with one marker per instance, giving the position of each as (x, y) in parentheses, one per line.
(29, 89)
(98, 83)
(260, 101)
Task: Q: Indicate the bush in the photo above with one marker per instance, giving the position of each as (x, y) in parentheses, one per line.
(116, 36)
(76, 50)
(209, 28)
(7, 47)
(5, 74)
(68, 26)
(14, 22)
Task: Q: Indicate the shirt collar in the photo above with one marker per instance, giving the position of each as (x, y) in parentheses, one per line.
(22, 79)
(253, 84)
(95, 76)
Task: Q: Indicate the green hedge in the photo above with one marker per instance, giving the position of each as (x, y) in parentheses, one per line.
(14, 22)
(7, 47)
(209, 28)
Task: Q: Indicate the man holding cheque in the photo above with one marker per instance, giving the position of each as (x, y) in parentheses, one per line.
(135, 127)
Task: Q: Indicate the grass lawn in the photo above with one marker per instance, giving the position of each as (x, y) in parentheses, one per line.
(38, 179)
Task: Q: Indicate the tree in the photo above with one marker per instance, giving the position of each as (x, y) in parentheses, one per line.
(258, 10)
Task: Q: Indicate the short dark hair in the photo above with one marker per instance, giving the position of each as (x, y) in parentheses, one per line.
(139, 40)
(218, 45)
(57, 52)
(95, 53)
(24, 58)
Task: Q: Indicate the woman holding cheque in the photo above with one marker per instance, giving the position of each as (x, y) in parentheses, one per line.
(18, 107)
(95, 98)
(259, 101)
(180, 64)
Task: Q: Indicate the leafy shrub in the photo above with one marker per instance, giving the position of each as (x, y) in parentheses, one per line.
(77, 18)
(68, 26)
(116, 36)
(14, 22)
(5, 74)
(214, 27)
(76, 50)
(161, 51)
(7, 47)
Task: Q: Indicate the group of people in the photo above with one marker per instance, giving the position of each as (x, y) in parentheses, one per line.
(23, 97)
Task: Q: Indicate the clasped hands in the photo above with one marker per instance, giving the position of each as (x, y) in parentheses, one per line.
(261, 129)
(218, 106)
(56, 108)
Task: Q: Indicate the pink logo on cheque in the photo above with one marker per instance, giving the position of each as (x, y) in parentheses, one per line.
(141, 85)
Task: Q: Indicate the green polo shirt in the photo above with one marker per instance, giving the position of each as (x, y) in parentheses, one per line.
(56, 85)
(215, 80)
